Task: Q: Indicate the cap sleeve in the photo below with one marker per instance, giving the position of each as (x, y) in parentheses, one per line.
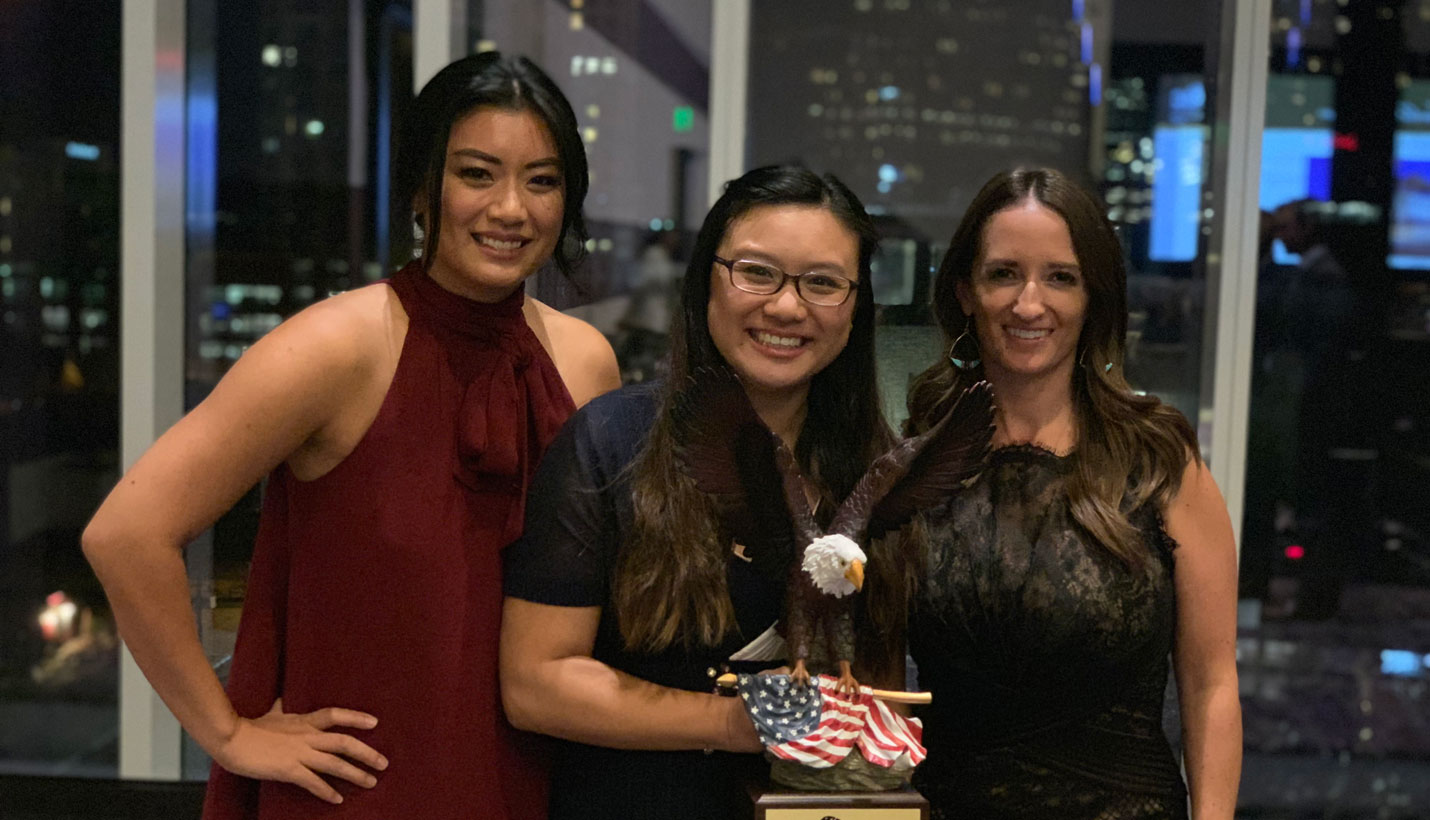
(565, 553)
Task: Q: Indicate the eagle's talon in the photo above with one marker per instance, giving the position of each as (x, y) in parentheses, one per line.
(799, 676)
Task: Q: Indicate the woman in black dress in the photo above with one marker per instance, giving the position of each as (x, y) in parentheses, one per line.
(1093, 547)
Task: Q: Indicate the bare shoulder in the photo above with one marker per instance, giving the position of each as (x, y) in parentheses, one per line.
(1198, 488)
(322, 358)
(301, 394)
(582, 355)
(355, 327)
(1197, 516)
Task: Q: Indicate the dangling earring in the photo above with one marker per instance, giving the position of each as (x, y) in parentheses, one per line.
(1082, 361)
(417, 236)
(965, 363)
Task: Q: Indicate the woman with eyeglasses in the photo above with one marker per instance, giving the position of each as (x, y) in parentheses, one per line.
(624, 596)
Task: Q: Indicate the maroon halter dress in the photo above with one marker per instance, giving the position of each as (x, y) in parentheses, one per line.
(378, 585)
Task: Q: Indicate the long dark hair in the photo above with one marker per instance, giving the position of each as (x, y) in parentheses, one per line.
(670, 582)
(486, 80)
(1131, 449)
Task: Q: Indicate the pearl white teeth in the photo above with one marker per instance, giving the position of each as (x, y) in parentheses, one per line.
(778, 341)
(1027, 334)
(499, 244)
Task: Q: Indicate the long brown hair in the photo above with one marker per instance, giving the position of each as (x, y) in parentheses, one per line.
(1131, 449)
(669, 584)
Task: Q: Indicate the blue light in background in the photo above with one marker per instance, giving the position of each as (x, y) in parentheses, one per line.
(1300, 166)
(1293, 48)
(889, 92)
(1079, 10)
(1186, 103)
(1410, 207)
(1296, 165)
(888, 173)
(1399, 662)
(82, 150)
(1086, 43)
(1176, 193)
(1094, 84)
(201, 178)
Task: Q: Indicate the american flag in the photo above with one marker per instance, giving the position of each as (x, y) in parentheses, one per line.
(817, 726)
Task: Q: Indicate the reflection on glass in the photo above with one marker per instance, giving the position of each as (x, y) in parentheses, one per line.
(292, 113)
(915, 105)
(1335, 559)
(1410, 226)
(637, 75)
(59, 383)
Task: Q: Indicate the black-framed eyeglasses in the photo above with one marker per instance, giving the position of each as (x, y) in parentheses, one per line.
(814, 287)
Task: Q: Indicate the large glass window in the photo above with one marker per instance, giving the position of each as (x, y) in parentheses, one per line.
(1335, 555)
(637, 75)
(59, 381)
(292, 110)
(915, 105)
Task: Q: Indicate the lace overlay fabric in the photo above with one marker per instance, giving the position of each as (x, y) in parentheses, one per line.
(1047, 657)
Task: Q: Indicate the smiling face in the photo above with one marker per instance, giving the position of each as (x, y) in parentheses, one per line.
(777, 343)
(1026, 294)
(502, 203)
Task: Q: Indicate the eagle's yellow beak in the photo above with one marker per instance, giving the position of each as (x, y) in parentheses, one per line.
(855, 574)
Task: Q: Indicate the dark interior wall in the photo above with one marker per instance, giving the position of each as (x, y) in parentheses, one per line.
(1181, 23)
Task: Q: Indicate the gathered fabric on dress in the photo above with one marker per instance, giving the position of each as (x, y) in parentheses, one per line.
(377, 586)
(1047, 657)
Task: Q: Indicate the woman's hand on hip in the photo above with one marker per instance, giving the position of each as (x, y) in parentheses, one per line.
(298, 748)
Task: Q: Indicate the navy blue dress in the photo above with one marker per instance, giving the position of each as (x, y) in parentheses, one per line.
(579, 515)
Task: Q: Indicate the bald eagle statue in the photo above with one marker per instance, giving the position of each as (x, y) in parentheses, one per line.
(735, 459)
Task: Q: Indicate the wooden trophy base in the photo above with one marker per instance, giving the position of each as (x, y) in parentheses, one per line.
(899, 804)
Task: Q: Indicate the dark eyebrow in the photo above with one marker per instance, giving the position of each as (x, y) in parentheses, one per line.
(750, 254)
(473, 153)
(1011, 263)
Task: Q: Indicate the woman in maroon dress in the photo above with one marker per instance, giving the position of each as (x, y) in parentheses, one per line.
(399, 425)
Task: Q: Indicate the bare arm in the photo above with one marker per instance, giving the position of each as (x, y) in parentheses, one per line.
(1205, 656)
(285, 393)
(550, 684)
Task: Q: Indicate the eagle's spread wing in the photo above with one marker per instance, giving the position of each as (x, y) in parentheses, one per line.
(953, 452)
(919, 471)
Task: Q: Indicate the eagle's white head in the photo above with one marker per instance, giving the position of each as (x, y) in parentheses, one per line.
(836, 564)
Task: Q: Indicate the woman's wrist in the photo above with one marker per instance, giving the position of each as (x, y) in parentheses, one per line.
(740, 735)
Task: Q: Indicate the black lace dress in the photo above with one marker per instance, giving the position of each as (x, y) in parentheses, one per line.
(1046, 656)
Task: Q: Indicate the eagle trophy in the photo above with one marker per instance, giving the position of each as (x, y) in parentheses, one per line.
(736, 460)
